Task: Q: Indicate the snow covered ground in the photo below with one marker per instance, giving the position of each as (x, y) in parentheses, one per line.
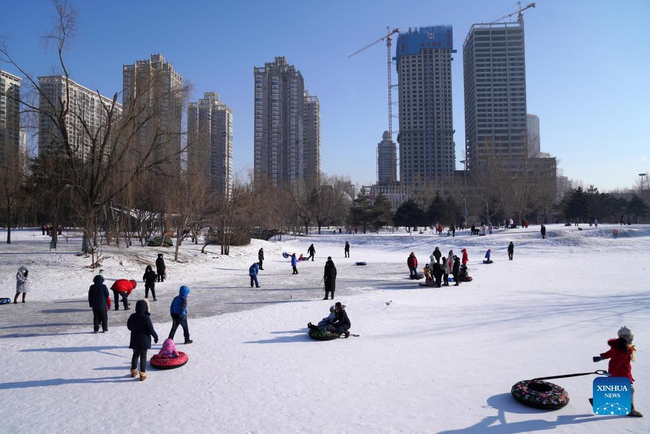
(428, 360)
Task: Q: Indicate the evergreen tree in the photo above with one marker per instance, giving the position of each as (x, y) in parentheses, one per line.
(436, 211)
(382, 211)
(637, 207)
(409, 214)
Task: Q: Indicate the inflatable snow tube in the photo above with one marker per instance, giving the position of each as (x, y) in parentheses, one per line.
(465, 279)
(319, 335)
(360, 263)
(285, 255)
(540, 394)
(169, 363)
(5, 300)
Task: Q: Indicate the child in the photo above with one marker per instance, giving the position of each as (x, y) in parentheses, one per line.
(294, 263)
(427, 274)
(149, 279)
(141, 332)
(456, 270)
(178, 311)
(168, 350)
(487, 259)
(621, 354)
(22, 284)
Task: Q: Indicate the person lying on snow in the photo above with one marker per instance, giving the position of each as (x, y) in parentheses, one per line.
(337, 322)
(620, 355)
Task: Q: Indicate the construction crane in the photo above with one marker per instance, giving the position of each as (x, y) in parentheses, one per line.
(520, 15)
(388, 39)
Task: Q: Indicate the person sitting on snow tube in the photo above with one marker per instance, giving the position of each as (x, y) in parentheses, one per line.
(124, 288)
(487, 259)
(332, 327)
(168, 357)
(322, 324)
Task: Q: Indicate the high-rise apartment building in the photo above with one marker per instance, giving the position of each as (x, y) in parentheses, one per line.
(386, 161)
(279, 111)
(153, 95)
(87, 117)
(209, 143)
(311, 138)
(9, 117)
(494, 64)
(533, 142)
(426, 136)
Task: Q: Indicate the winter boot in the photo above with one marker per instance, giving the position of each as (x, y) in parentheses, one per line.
(188, 341)
(347, 334)
(635, 413)
(143, 375)
(134, 373)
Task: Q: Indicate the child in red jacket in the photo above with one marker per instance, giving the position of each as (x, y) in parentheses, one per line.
(620, 355)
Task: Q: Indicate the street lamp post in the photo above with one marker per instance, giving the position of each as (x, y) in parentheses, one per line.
(464, 162)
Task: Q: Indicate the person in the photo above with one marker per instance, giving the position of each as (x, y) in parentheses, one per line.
(160, 267)
(445, 271)
(596, 223)
(482, 230)
(629, 220)
(294, 263)
(100, 302)
(141, 332)
(22, 283)
(511, 250)
(487, 259)
(252, 272)
(178, 311)
(347, 249)
(428, 277)
(43, 229)
(490, 227)
(437, 254)
(622, 220)
(620, 355)
(149, 278)
(123, 288)
(412, 263)
(453, 230)
(260, 258)
(437, 273)
(329, 277)
(322, 324)
(456, 270)
(450, 260)
(465, 257)
(341, 323)
(312, 252)
(543, 232)
(473, 229)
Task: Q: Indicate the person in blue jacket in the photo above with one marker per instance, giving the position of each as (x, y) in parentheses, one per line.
(294, 264)
(178, 311)
(252, 272)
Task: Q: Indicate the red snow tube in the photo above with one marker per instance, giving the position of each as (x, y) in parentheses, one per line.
(169, 363)
(540, 394)
(465, 279)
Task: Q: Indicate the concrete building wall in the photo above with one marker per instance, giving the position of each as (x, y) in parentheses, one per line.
(386, 161)
(533, 137)
(9, 117)
(311, 138)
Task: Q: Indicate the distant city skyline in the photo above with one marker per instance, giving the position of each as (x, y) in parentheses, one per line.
(588, 88)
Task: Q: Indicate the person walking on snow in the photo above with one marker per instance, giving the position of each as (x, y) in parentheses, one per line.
(347, 249)
(178, 311)
(452, 228)
(294, 264)
(312, 252)
(22, 284)
(412, 263)
(149, 278)
(100, 302)
(620, 355)
(160, 267)
(329, 277)
(543, 231)
(252, 272)
(141, 332)
(511, 250)
(260, 258)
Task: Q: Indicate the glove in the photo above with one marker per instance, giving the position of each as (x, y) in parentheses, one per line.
(155, 341)
(597, 358)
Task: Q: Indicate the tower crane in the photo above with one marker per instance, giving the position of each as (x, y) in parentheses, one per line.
(520, 15)
(388, 39)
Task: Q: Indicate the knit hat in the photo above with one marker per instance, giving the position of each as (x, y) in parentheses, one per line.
(626, 334)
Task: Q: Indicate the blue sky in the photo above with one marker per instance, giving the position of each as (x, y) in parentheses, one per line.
(587, 65)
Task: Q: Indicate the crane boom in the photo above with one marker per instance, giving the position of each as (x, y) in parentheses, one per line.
(388, 39)
(518, 13)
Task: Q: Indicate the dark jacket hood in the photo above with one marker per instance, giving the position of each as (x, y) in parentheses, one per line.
(148, 268)
(142, 306)
(98, 280)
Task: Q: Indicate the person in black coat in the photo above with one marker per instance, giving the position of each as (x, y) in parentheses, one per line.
(341, 323)
(98, 301)
(347, 249)
(456, 270)
(312, 252)
(260, 257)
(141, 332)
(160, 267)
(543, 231)
(511, 250)
(329, 276)
(149, 278)
(437, 274)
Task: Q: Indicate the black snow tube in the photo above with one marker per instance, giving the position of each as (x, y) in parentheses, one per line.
(319, 335)
(169, 363)
(361, 263)
(540, 394)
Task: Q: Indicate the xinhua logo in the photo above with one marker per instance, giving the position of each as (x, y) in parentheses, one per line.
(612, 396)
